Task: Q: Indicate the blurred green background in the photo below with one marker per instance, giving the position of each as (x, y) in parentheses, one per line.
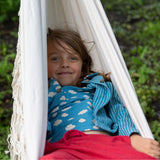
(136, 25)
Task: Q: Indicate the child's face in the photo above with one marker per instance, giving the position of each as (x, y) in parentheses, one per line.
(64, 65)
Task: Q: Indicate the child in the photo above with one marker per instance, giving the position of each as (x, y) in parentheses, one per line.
(86, 119)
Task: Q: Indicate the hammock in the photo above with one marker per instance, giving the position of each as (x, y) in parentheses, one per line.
(30, 83)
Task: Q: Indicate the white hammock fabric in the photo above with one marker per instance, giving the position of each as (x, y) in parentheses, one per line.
(30, 82)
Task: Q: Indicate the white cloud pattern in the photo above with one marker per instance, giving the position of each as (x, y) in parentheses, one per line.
(54, 114)
(70, 119)
(95, 127)
(58, 87)
(55, 83)
(55, 109)
(78, 101)
(82, 120)
(72, 92)
(74, 97)
(69, 127)
(51, 94)
(89, 103)
(89, 108)
(82, 112)
(64, 115)
(65, 109)
(86, 92)
(57, 122)
(63, 103)
(86, 97)
(63, 98)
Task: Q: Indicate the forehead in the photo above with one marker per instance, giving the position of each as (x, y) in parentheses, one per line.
(54, 47)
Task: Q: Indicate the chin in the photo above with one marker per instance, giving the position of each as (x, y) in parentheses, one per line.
(67, 84)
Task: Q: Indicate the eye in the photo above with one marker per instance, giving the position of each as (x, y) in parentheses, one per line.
(54, 58)
(74, 58)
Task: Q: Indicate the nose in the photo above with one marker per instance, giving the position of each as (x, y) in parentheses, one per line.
(64, 63)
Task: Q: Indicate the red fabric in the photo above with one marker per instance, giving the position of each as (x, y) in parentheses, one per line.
(77, 145)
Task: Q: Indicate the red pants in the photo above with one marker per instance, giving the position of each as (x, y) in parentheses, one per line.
(77, 145)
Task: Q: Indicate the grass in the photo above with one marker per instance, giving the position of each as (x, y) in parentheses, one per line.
(6, 67)
(8, 40)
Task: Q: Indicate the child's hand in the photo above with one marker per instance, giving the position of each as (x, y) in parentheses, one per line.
(145, 145)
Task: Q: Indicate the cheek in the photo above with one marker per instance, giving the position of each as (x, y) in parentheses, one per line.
(79, 68)
(51, 69)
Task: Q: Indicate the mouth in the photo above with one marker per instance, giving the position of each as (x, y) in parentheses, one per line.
(64, 73)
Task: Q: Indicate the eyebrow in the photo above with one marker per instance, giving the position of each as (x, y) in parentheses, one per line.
(51, 53)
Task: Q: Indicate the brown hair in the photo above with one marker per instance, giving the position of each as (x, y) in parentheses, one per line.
(74, 40)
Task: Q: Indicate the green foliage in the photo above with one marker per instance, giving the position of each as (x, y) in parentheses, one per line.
(148, 31)
(155, 127)
(3, 145)
(6, 68)
(143, 70)
(8, 18)
(9, 10)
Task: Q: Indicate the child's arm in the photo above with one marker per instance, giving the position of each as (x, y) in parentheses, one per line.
(120, 115)
(145, 145)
